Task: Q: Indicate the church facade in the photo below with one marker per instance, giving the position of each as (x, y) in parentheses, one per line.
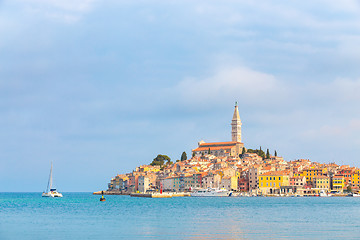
(222, 149)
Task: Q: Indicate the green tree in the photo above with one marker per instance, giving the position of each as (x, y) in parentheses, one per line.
(242, 153)
(257, 151)
(349, 188)
(275, 153)
(243, 150)
(267, 154)
(209, 151)
(193, 154)
(183, 156)
(160, 160)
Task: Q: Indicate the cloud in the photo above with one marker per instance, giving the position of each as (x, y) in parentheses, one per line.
(231, 83)
(68, 11)
(336, 134)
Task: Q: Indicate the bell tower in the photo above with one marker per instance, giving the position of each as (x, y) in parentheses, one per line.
(236, 125)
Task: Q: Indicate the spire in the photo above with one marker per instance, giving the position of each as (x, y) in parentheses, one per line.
(236, 125)
(236, 116)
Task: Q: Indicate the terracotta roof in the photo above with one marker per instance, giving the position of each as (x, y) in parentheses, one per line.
(275, 173)
(213, 148)
(218, 143)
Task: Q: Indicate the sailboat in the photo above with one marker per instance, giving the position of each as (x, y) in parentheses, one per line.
(50, 191)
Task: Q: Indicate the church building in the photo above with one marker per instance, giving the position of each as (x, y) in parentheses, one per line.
(222, 149)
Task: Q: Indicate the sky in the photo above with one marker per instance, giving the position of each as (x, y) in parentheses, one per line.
(100, 87)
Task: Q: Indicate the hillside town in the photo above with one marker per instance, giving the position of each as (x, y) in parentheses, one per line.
(247, 172)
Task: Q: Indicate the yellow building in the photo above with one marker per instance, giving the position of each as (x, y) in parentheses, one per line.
(311, 173)
(356, 178)
(229, 183)
(322, 182)
(338, 183)
(148, 168)
(271, 182)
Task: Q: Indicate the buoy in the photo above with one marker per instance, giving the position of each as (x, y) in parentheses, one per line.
(102, 199)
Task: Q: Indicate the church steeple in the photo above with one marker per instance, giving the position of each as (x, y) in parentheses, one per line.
(236, 125)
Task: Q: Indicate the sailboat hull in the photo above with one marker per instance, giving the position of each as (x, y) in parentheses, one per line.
(50, 191)
(52, 194)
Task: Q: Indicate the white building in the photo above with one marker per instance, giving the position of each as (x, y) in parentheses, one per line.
(143, 184)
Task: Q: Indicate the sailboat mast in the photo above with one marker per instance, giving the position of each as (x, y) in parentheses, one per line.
(49, 185)
(50, 180)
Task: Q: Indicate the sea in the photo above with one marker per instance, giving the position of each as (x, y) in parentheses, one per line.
(83, 216)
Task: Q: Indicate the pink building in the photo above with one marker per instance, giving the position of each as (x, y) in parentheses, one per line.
(298, 181)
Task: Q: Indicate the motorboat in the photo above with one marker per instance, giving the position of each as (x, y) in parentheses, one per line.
(323, 194)
(211, 192)
(50, 191)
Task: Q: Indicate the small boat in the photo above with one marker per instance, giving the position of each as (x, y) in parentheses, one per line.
(50, 191)
(323, 194)
(356, 195)
(211, 192)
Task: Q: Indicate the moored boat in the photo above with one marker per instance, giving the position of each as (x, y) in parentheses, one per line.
(50, 191)
(211, 192)
(323, 194)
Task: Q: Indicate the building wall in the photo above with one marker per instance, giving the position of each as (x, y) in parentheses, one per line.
(322, 182)
(143, 184)
(212, 181)
(168, 184)
(269, 183)
(253, 178)
(338, 183)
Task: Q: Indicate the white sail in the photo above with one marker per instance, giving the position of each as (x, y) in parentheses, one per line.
(50, 192)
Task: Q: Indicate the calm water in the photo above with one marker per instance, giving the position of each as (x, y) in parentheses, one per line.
(82, 216)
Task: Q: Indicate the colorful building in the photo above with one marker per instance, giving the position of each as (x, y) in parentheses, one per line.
(311, 173)
(270, 182)
(322, 182)
(229, 183)
(338, 183)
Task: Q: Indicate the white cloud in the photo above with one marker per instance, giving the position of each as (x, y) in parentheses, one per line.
(229, 84)
(340, 133)
(64, 10)
(340, 91)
